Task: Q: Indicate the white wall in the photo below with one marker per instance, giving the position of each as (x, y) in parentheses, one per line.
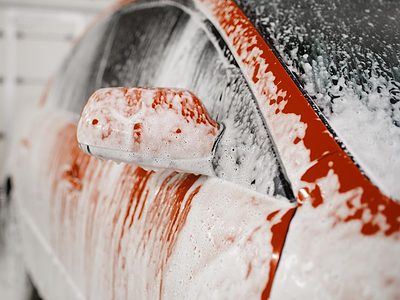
(35, 36)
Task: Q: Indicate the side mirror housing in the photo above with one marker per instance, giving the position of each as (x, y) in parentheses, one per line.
(151, 127)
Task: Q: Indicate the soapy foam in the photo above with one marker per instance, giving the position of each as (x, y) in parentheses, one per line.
(352, 76)
(158, 123)
(141, 224)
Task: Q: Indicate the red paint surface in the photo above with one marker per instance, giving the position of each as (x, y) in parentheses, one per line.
(191, 106)
(279, 231)
(249, 269)
(163, 215)
(168, 211)
(25, 142)
(129, 119)
(164, 218)
(137, 132)
(68, 164)
(317, 139)
(140, 178)
(372, 200)
(133, 185)
(314, 196)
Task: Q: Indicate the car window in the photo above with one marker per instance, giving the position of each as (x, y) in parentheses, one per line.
(346, 57)
(167, 47)
(179, 53)
(76, 79)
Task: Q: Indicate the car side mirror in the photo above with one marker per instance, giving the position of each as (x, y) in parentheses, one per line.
(151, 127)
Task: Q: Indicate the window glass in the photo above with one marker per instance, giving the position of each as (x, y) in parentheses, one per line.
(246, 154)
(346, 56)
(139, 45)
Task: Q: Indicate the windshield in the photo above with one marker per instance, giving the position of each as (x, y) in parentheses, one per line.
(345, 55)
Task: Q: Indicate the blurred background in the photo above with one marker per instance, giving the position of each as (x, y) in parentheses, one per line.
(35, 37)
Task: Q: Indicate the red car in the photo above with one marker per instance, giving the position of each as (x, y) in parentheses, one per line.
(228, 149)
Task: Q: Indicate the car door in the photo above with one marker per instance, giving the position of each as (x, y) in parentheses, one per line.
(101, 230)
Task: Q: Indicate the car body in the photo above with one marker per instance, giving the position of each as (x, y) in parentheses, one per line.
(286, 189)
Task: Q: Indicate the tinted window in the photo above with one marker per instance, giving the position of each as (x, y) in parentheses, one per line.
(346, 56)
(139, 45)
